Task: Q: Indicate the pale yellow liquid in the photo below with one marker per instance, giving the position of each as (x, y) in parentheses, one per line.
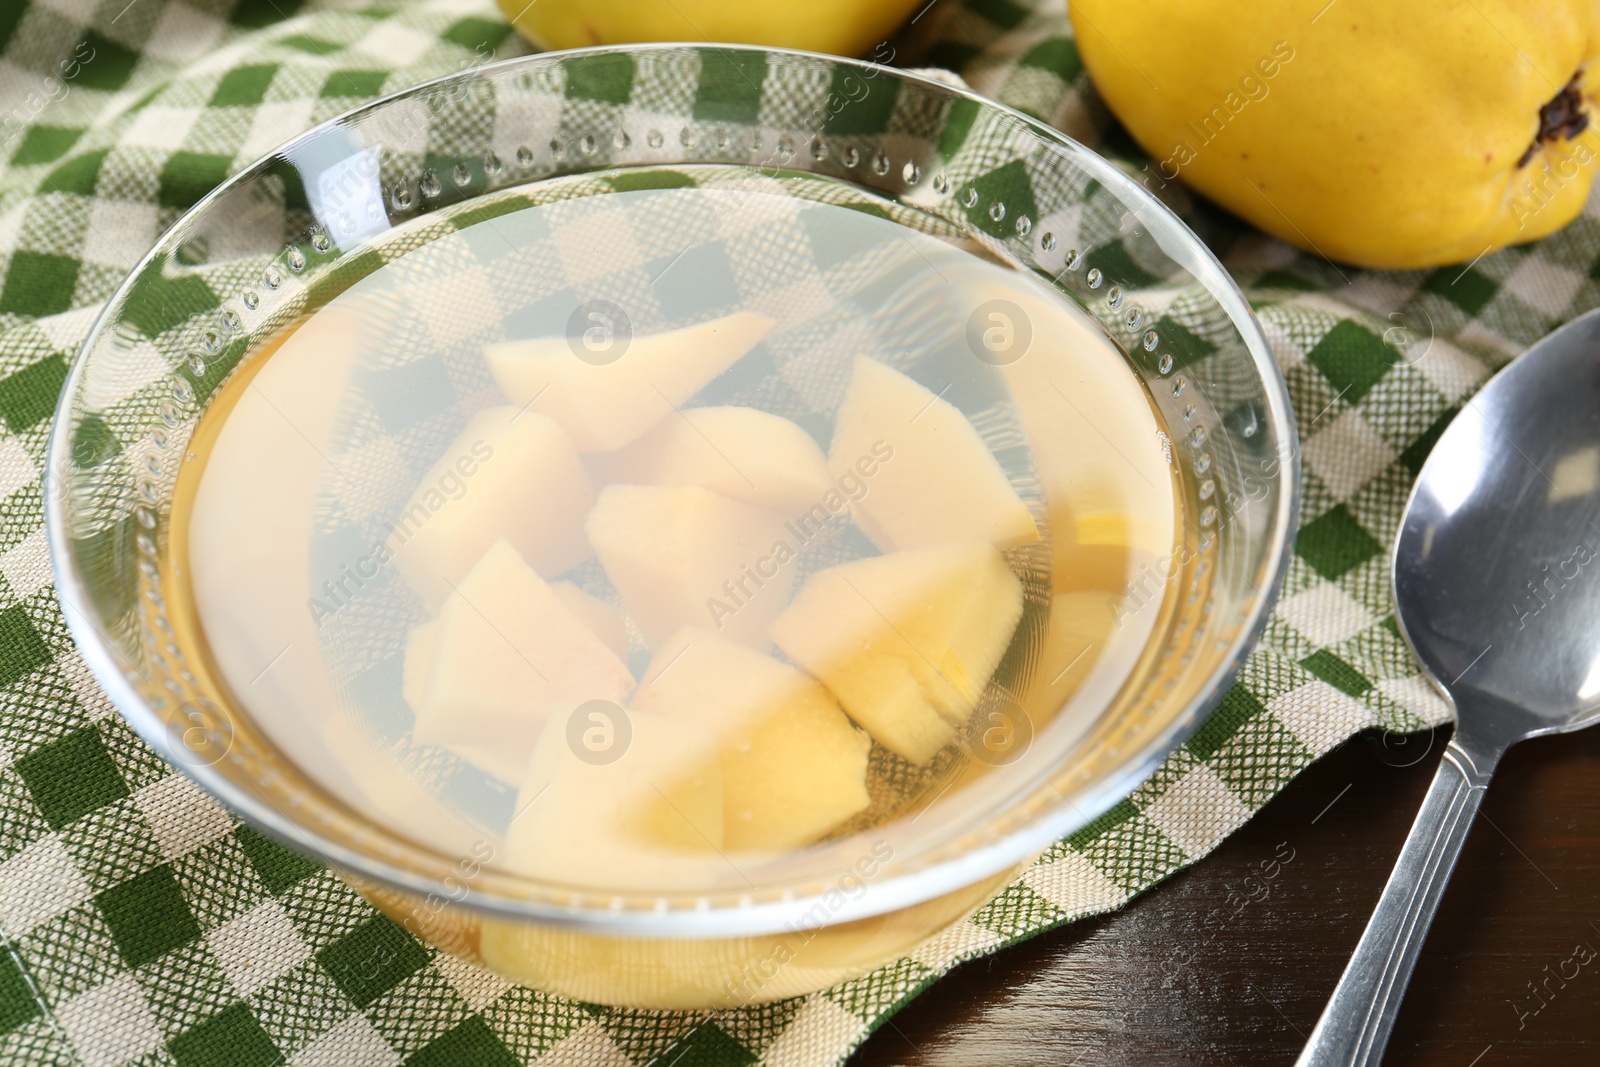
(280, 451)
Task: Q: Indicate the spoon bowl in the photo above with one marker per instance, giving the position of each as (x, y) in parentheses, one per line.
(1497, 565)
(1497, 591)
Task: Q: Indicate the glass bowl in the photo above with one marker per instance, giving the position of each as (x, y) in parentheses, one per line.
(404, 172)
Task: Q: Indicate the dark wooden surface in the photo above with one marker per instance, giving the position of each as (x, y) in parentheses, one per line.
(1177, 978)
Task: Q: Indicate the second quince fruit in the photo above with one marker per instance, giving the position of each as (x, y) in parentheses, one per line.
(838, 27)
(1382, 134)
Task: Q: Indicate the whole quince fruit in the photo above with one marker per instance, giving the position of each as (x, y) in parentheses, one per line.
(839, 27)
(1382, 134)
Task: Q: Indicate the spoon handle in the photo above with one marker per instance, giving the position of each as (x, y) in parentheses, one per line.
(1355, 1025)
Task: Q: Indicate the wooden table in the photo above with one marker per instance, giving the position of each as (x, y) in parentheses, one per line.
(1184, 976)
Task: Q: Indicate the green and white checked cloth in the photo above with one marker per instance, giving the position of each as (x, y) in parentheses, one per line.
(142, 924)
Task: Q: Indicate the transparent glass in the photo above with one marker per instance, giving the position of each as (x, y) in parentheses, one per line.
(280, 238)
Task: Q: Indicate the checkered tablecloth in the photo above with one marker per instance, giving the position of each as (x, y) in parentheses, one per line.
(141, 923)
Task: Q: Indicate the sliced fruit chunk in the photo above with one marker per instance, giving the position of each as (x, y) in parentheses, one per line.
(688, 556)
(906, 641)
(942, 485)
(605, 405)
(792, 765)
(508, 655)
(882, 694)
(509, 764)
(950, 610)
(509, 474)
(603, 620)
(957, 606)
(651, 818)
(743, 453)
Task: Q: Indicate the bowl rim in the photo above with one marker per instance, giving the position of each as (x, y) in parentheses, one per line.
(884, 894)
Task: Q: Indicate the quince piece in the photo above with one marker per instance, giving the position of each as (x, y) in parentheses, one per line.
(509, 474)
(607, 403)
(906, 641)
(507, 655)
(686, 555)
(648, 819)
(942, 485)
(793, 766)
(507, 763)
(743, 453)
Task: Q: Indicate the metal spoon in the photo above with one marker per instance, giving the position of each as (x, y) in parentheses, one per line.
(1497, 590)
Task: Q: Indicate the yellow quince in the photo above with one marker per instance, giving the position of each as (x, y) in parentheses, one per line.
(1383, 134)
(839, 27)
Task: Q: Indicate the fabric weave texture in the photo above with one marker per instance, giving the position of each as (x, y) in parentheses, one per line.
(143, 924)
